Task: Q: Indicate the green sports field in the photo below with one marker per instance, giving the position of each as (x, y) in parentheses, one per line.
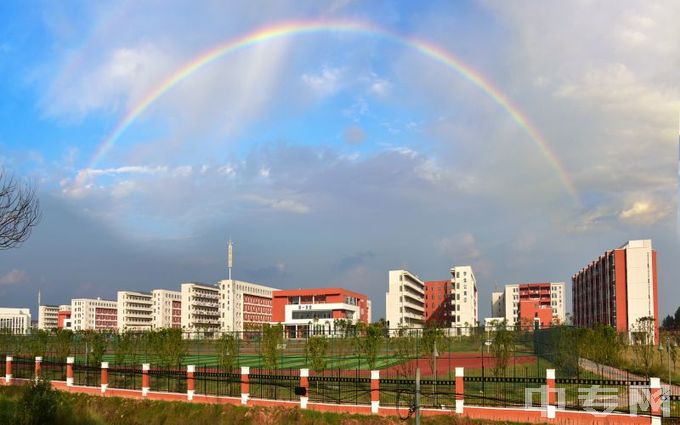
(256, 361)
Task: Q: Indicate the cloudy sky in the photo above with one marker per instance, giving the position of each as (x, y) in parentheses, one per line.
(333, 156)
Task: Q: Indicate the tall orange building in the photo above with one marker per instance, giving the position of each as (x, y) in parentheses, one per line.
(618, 288)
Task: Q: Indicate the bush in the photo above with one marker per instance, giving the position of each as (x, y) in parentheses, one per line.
(39, 404)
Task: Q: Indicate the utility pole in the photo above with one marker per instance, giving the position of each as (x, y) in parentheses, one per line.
(668, 349)
(417, 396)
(435, 354)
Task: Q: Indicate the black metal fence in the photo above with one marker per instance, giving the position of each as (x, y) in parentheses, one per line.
(624, 393)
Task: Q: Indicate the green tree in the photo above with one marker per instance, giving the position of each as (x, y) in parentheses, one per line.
(643, 346)
(122, 349)
(271, 345)
(431, 339)
(227, 352)
(97, 345)
(39, 342)
(6, 343)
(316, 348)
(63, 344)
(668, 322)
(502, 346)
(406, 349)
(368, 341)
(169, 346)
(610, 345)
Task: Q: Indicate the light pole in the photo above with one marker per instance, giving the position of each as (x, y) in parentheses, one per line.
(668, 352)
(487, 342)
(435, 354)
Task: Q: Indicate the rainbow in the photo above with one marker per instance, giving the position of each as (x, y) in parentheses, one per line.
(280, 30)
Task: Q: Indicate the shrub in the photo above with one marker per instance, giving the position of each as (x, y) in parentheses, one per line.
(39, 404)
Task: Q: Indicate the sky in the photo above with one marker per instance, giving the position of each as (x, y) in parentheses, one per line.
(521, 138)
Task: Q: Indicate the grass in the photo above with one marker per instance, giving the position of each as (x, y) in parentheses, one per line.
(256, 361)
(80, 409)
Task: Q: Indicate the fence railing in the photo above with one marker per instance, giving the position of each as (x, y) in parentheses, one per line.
(358, 387)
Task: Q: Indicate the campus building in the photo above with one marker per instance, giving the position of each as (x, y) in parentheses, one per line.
(166, 309)
(135, 311)
(64, 317)
(530, 305)
(618, 288)
(307, 312)
(438, 305)
(405, 300)
(93, 314)
(48, 316)
(244, 305)
(200, 308)
(464, 300)
(15, 320)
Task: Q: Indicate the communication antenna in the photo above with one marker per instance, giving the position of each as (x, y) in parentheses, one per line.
(230, 256)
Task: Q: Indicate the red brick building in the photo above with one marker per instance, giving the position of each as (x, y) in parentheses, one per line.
(438, 302)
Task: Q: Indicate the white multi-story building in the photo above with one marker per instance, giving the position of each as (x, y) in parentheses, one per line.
(244, 305)
(464, 299)
(15, 320)
(135, 312)
(498, 304)
(48, 317)
(167, 308)
(405, 300)
(507, 305)
(93, 314)
(200, 308)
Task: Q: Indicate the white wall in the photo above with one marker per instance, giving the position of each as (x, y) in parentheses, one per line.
(639, 283)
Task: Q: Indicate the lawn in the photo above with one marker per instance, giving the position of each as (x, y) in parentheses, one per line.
(79, 409)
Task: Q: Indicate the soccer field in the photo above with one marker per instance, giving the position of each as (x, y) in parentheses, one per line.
(256, 361)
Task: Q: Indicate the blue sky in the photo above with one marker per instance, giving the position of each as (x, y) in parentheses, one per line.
(332, 158)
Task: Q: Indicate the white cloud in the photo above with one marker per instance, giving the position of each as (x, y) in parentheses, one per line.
(326, 82)
(377, 85)
(646, 212)
(283, 205)
(13, 277)
(119, 79)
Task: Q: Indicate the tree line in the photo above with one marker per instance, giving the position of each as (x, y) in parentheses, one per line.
(672, 322)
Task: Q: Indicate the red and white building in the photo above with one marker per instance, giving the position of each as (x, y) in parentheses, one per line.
(244, 306)
(64, 317)
(618, 288)
(93, 314)
(167, 309)
(306, 312)
(529, 305)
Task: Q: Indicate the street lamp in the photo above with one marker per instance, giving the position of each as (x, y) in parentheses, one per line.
(487, 342)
